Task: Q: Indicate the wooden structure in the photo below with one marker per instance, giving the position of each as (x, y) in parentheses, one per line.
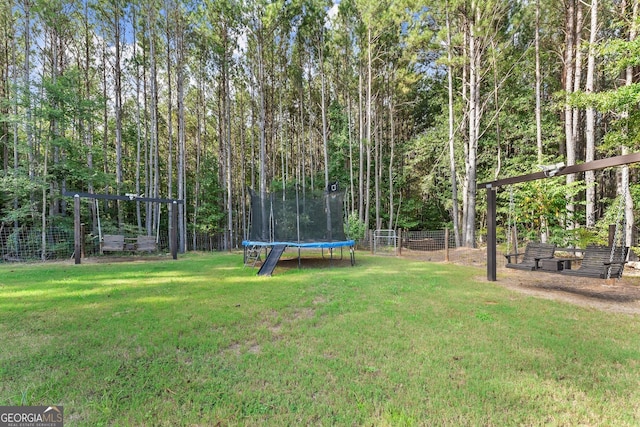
(601, 262)
(112, 243)
(173, 224)
(120, 243)
(533, 254)
(146, 244)
(492, 186)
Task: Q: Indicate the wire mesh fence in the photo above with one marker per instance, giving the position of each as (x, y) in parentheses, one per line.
(429, 245)
(24, 244)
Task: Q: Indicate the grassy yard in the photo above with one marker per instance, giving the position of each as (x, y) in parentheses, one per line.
(204, 341)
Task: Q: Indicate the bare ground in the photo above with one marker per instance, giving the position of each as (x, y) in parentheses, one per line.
(617, 296)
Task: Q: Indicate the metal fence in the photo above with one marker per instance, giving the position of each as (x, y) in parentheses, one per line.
(24, 244)
(431, 245)
(428, 240)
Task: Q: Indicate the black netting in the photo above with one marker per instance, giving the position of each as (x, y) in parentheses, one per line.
(297, 216)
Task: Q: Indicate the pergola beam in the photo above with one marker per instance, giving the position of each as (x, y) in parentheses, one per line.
(582, 167)
(128, 198)
(492, 186)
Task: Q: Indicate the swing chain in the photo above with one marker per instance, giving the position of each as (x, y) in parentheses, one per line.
(510, 220)
(617, 231)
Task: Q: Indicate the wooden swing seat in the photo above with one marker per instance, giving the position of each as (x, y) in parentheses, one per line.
(533, 253)
(597, 261)
(112, 243)
(119, 243)
(146, 244)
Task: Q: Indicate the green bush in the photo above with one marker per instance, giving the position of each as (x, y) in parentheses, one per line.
(355, 228)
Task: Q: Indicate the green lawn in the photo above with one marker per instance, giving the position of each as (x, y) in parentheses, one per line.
(204, 341)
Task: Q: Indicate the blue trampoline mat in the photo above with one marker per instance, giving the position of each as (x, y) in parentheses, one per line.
(302, 245)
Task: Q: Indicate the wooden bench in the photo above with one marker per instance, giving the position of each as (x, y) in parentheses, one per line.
(598, 263)
(533, 253)
(146, 244)
(112, 243)
(119, 243)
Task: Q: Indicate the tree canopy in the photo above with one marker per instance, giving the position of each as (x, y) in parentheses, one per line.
(406, 104)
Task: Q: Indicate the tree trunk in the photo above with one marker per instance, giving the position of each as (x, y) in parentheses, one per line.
(325, 134)
(590, 136)
(568, 111)
(361, 215)
(452, 157)
(153, 208)
(138, 120)
(118, 111)
(392, 143)
(626, 191)
(180, 79)
(263, 137)
(538, 86)
(474, 126)
(368, 118)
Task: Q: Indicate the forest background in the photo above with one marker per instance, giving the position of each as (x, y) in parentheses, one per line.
(406, 104)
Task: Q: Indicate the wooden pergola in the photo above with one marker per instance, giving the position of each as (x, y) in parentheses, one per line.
(173, 237)
(492, 187)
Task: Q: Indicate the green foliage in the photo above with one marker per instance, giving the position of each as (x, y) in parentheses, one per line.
(613, 215)
(210, 212)
(354, 228)
(338, 144)
(541, 206)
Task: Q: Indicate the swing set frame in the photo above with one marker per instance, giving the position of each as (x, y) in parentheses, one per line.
(492, 187)
(173, 204)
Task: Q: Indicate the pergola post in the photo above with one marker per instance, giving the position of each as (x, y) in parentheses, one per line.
(77, 230)
(491, 234)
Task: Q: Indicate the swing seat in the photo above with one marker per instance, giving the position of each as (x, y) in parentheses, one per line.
(112, 243)
(146, 244)
(533, 253)
(598, 263)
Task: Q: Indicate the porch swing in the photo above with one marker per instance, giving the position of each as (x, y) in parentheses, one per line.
(604, 262)
(120, 243)
(151, 241)
(601, 262)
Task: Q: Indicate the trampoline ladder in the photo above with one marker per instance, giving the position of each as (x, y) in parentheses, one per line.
(253, 255)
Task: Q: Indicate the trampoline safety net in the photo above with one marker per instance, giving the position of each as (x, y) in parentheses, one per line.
(297, 216)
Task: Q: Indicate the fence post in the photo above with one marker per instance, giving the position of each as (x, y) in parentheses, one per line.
(399, 242)
(174, 230)
(446, 245)
(371, 242)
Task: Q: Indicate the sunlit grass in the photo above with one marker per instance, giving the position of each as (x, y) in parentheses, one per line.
(204, 341)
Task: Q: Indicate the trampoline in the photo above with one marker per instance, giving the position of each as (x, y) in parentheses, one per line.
(252, 245)
(296, 219)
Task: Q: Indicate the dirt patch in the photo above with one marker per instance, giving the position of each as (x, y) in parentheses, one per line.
(616, 296)
(123, 258)
(311, 262)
